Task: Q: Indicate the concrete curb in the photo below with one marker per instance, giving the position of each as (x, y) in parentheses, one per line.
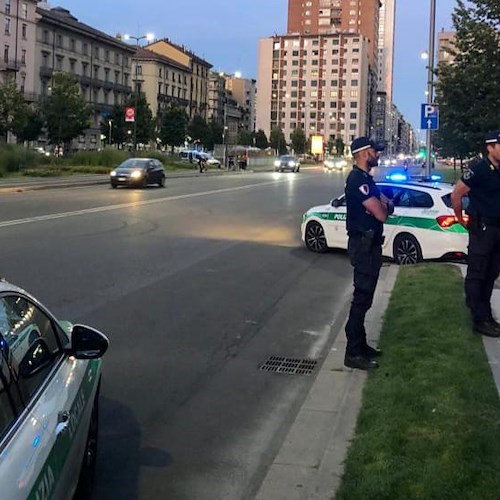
(310, 462)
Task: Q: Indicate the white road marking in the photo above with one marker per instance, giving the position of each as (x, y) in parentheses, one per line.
(109, 208)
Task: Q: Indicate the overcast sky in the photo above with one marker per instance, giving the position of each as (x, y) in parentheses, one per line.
(226, 33)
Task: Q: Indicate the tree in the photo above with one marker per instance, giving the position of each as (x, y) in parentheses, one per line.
(173, 126)
(245, 138)
(261, 140)
(216, 131)
(339, 146)
(198, 130)
(277, 140)
(13, 109)
(65, 112)
(29, 126)
(145, 125)
(299, 141)
(467, 88)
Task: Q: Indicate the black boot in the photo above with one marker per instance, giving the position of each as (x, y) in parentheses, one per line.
(360, 362)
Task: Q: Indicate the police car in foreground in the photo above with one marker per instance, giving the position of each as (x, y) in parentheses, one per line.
(423, 225)
(50, 374)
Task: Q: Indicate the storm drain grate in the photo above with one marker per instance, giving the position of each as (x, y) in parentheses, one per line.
(292, 366)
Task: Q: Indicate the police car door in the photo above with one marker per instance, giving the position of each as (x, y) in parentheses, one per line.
(335, 228)
(41, 453)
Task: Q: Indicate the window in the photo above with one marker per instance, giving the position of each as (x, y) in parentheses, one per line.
(7, 7)
(138, 69)
(24, 10)
(96, 52)
(72, 65)
(59, 63)
(72, 45)
(24, 31)
(60, 41)
(6, 54)
(9, 399)
(7, 26)
(45, 36)
(32, 342)
(85, 49)
(23, 57)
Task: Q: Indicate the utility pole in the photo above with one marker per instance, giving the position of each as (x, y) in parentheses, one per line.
(430, 81)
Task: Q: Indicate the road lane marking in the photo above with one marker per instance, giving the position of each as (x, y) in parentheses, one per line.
(109, 208)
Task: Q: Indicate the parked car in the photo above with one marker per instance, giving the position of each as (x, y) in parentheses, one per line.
(287, 163)
(423, 225)
(334, 163)
(50, 374)
(138, 172)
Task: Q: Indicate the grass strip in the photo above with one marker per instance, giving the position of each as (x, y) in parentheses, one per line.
(429, 427)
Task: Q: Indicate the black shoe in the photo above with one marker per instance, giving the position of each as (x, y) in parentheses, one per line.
(495, 324)
(360, 362)
(371, 352)
(486, 328)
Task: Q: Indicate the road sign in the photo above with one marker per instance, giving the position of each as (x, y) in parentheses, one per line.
(129, 114)
(429, 117)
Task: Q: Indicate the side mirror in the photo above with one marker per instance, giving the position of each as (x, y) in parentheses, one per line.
(336, 203)
(36, 359)
(87, 343)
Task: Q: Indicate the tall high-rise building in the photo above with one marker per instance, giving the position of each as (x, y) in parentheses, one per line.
(333, 16)
(386, 47)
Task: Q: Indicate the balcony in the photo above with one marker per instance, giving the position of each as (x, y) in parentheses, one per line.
(10, 65)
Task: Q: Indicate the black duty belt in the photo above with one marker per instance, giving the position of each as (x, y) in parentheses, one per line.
(490, 221)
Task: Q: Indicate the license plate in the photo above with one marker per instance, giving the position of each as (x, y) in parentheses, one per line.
(122, 178)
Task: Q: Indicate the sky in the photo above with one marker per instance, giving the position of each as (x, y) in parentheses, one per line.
(226, 33)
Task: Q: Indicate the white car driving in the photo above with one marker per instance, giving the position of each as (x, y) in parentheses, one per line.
(50, 374)
(423, 225)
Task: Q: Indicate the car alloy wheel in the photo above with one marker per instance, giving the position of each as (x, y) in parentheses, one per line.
(113, 185)
(407, 250)
(315, 237)
(162, 181)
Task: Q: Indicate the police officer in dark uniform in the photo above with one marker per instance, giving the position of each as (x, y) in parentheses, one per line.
(481, 183)
(367, 210)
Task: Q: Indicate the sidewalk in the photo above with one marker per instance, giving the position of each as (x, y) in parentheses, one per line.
(310, 462)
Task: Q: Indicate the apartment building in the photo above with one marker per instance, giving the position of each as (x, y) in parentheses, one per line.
(318, 82)
(445, 46)
(199, 73)
(17, 40)
(334, 16)
(101, 63)
(244, 91)
(162, 80)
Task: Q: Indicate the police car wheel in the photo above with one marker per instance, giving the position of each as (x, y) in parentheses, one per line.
(406, 249)
(87, 472)
(315, 238)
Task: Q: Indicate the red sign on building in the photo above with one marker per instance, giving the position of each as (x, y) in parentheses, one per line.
(129, 114)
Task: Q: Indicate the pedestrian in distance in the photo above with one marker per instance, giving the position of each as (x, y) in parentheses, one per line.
(202, 164)
(367, 210)
(481, 183)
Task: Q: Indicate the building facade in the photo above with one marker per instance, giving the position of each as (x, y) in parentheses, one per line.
(316, 82)
(198, 78)
(244, 92)
(101, 64)
(17, 41)
(445, 47)
(163, 81)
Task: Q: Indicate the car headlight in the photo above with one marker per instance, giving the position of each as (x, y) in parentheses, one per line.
(136, 174)
(113, 173)
(291, 164)
(277, 163)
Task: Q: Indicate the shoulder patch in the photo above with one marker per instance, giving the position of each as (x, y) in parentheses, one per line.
(468, 173)
(364, 188)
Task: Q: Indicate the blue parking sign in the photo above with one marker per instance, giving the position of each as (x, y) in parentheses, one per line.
(429, 117)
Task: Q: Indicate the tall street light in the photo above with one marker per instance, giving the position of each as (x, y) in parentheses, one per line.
(149, 37)
(430, 79)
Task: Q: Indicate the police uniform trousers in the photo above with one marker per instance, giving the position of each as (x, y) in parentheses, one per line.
(482, 270)
(367, 261)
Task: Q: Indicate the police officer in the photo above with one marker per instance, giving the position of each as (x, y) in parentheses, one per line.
(481, 183)
(367, 210)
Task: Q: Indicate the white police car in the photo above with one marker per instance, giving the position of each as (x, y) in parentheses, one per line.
(50, 374)
(423, 225)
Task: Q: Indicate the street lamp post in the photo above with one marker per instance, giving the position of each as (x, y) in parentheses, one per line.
(110, 123)
(148, 37)
(430, 79)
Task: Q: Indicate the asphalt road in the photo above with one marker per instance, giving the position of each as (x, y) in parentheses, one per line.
(196, 285)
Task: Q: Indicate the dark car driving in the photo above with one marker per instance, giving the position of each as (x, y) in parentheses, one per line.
(287, 162)
(138, 172)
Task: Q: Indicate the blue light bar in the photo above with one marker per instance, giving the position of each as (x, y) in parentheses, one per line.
(435, 177)
(397, 177)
